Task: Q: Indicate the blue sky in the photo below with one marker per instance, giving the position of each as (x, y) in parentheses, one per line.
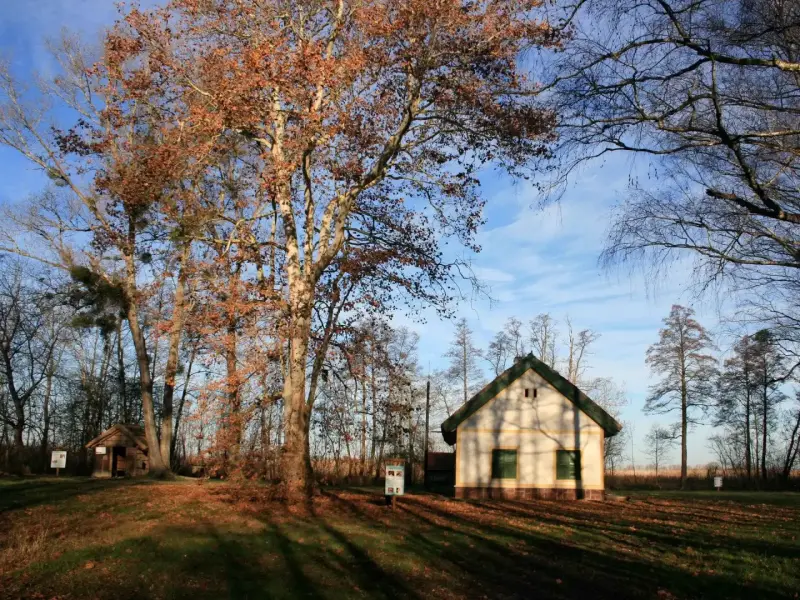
(534, 260)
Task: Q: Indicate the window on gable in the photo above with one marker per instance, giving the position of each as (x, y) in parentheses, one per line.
(527, 392)
(504, 464)
(568, 464)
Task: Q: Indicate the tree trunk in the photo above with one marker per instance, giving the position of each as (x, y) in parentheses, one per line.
(748, 458)
(123, 395)
(157, 466)
(364, 424)
(765, 400)
(172, 359)
(19, 444)
(182, 403)
(46, 414)
(792, 451)
(757, 445)
(684, 425)
(296, 459)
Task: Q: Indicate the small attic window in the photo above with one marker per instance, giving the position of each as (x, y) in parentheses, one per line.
(527, 392)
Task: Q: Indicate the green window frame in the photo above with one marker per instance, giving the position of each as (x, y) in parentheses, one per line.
(568, 465)
(504, 464)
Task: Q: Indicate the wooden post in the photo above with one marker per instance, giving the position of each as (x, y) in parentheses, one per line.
(57, 470)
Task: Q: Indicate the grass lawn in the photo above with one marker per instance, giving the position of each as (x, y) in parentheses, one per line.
(78, 538)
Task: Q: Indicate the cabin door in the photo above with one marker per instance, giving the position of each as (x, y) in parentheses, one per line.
(118, 461)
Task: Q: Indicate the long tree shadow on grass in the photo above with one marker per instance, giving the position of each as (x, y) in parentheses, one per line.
(504, 561)
(658, 526)
(34, 491)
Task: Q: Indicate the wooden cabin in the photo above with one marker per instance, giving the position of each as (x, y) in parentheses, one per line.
(120, 451)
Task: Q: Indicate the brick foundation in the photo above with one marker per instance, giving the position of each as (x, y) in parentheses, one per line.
(484, 493)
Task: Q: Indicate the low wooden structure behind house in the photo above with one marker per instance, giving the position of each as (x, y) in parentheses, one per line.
(440, 469)
(121, 450)
(530, 433)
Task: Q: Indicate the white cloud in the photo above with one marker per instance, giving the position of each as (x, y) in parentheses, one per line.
(546, 261)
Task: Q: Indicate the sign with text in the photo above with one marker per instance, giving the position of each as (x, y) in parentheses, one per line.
(100, 450)
(718, 482)
(395, 479)
(58, 460)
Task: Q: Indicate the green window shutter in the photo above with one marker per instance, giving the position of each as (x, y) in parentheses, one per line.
(504, 464)
(568, 464)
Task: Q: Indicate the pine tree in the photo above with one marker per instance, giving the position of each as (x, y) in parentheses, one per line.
(688, 372)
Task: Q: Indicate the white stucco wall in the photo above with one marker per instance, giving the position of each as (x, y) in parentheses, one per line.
(536, 427)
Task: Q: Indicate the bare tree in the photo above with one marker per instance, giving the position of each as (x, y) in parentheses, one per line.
(736, 396)
(578, 348)
(706, 92)
(687, 371)
(27, 348)
(464, 355)
(658, 442)
(506, 346)
(770, 372)
(544, 338)
(612, 397)
(791, 439)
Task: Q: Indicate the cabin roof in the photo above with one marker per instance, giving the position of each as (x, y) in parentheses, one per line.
(568, 389)
(134, 433)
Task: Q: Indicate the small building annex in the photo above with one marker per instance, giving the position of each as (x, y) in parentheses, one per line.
(121, 450)
(530, 433)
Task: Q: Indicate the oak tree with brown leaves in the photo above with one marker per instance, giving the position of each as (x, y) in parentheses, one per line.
(365, 123)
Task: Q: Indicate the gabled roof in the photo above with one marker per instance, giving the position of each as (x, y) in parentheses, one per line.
(568, 389)
(134, 433)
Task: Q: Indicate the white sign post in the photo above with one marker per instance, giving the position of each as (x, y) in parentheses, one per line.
(395, 479)
(718, 483)
(58, 460)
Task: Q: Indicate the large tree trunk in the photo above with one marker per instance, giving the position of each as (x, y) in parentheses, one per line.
(296, 459)
(157, 466)
(172, 360)
(234, 421)
(46, 414)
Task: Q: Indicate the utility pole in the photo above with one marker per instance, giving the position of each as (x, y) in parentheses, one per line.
(410, 409)
(427, 420)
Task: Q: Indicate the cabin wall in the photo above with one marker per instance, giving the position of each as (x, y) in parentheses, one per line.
(141, 464)
(536, 426)
(101, 463)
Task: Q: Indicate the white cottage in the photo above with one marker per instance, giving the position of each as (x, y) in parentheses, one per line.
(530, 433)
